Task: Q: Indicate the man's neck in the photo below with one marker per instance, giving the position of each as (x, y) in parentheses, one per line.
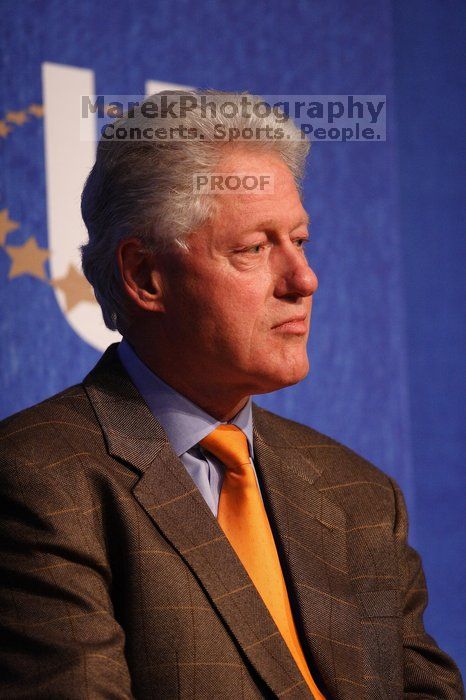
(214, 400)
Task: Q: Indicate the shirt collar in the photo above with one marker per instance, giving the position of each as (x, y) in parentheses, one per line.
(184, 422)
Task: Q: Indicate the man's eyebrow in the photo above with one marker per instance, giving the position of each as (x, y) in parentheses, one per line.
(305, 221)
(269, 223)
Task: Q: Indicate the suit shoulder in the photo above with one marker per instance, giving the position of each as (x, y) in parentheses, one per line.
(336, 461)
(55, 425)
(52, 407)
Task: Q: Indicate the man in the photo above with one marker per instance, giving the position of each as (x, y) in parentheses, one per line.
(165, 537)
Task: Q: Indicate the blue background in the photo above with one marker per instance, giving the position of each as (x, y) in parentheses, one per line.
(387, 342)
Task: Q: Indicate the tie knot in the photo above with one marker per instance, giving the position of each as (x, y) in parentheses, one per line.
(229, 444)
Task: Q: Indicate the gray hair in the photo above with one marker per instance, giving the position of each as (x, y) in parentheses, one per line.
(144, 187)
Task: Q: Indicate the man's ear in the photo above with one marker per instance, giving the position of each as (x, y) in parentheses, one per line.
(140, 275)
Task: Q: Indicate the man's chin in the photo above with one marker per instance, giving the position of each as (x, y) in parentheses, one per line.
(283, 377)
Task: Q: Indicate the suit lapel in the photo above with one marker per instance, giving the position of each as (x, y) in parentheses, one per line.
(174, 504)
(310, 532)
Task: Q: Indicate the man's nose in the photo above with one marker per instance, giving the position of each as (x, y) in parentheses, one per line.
(295, 276)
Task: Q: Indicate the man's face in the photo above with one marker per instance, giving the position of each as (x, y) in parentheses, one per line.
(237, 305)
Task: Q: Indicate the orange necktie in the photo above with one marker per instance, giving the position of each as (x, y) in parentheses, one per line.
(242, 517)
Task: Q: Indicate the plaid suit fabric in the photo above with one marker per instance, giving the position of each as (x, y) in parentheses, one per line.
(117, 581)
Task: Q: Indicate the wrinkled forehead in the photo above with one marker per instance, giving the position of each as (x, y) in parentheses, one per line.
(255, 189)
(280, 209)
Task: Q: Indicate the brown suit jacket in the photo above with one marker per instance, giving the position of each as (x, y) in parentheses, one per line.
(117, 581)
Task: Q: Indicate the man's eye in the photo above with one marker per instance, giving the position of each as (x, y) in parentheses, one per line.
(255, 249)
(301, 242)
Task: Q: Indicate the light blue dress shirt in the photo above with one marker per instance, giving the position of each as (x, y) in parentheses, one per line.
(185, 424)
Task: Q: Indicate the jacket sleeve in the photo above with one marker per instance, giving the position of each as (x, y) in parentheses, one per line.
(58, 634)
(428, 672)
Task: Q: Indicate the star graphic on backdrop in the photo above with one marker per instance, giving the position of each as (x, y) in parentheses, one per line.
(4, 129)
(17, 118)
(75, 287)
(7, 225)
(27, 259)
(36, 110)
